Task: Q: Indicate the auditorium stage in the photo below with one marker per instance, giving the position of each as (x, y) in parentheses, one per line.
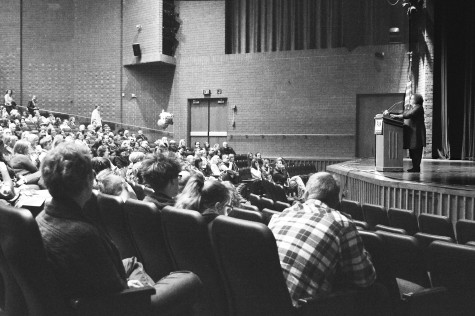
(444, 187)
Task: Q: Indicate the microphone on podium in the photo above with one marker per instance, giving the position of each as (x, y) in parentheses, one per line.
(386, 112)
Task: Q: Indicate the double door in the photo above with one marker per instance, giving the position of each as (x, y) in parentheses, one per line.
(208, 121)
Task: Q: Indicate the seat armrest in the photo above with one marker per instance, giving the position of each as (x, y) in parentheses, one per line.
(133, 301)
(431, 301)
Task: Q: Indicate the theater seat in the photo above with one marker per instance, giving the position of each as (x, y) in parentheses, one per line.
(390, 229)
(406, 297)
(404, 219)
(436, 225)
(255, 200)
(246, 253)
(465, 230)
(247, 215)
(353, 208)
(114, 220)
(453, 266)
(268, 215)
(249, 207)
(187, 236)
(280, 206)
(35, 290)
(145, 223)
(374, 215)
(267, 203)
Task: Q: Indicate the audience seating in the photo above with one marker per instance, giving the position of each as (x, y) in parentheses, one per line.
(268, 215)
(145, 222)
(465, 230)
(406, 298)
(279, 206)
(436, 225)
(32, 288)
(255, 200)
(187, 236)
(404, 219)
(249, 207)
(114, 220)
(390, 229)
(353, 208)
(406, 257)
(453, 266)
(374, 215)
(361, 225)
(247, 215)
(268, 189)
(267, 203)
(280, 195)
(247, 258)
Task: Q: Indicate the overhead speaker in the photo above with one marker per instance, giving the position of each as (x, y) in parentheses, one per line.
(137, 51)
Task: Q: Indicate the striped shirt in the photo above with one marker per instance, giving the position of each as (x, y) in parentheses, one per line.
(314, 242)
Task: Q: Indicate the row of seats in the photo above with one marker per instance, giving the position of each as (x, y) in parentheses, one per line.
(263, 202)
(372, 217)
(439, 275)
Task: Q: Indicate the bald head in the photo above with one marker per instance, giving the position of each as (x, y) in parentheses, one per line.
(324, 187)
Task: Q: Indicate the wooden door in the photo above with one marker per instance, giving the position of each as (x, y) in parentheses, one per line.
(367, 106)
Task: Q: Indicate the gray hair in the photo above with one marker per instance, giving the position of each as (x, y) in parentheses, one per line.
(324, 187)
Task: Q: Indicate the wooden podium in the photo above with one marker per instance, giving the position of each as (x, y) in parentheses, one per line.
(389, 143)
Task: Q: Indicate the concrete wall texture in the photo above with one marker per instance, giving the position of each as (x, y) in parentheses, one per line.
(71, 54)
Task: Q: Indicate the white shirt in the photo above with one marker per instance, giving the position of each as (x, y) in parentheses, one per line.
(8, 99)
(96, 117)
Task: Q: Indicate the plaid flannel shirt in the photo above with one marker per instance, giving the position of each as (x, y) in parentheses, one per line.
(314, 242)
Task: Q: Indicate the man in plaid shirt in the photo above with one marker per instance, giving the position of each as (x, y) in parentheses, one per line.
(318, 246)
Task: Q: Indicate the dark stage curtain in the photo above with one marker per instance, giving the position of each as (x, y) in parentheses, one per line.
(454, 128)
(280, 25)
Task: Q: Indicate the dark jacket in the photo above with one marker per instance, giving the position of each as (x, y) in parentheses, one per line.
(160, 200)
(83, 258)
(414, 127)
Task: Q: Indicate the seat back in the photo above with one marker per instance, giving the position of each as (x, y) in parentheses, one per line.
(187, 235)
(426, 239)
(255, 200)
(465, 230)
(377, 248)
(452, 265)
(267, 203)
(279, 194)
(407, 258)
(268, 188)
(268, 215)
(248, 260)
(436, 225)
(352, 208)
(115, 224)
(247, 215)
(29, 282)
(145, 222)
(404, 219)
(279, 206)
(249, 207)
(374, 215)
(390, 229)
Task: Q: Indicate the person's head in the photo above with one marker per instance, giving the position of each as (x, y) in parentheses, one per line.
(278, 178)
(183, 178)
(258, 155)
(22, 147)
(417, 99)
(46, 142)
(140, 132)
(109, 183)
(231, 158)
(225, 158)
(204, 195)
(324, 187)
(58, 139)
(32, 139)
(266, 162)
(197, 145)
(67, 172)
(144, 144)
(182, 143)
(10, 140)
(160, 172)
(98, 107)
(103, 151)
(9, 92)
(136, 156)
(225, 144)
(100, 163)
(279, 163)
(33, 98)
(72, 119)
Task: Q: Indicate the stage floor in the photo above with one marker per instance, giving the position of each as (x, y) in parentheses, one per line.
(441, 173)
(444, 187)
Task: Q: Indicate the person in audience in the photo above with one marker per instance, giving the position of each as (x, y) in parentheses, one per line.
(281, 169)
(46, 145)
(10, 141)
(83, 258)
(207, 147)
(266, 170)
(140, 135)
(135, 158)
(96, 119)
(9, 103)
(99, 164)
(256, 170)
(24, 168)
(112, 184)
(183, 178)
(160, 172)
(214, 164)
(32, 105)
(319, 248)
(7, 191)
(226, 150)
(72, 122)
(208, 197)
(122, 158)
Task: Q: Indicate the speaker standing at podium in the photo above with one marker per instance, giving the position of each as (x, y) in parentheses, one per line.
(414, 130)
